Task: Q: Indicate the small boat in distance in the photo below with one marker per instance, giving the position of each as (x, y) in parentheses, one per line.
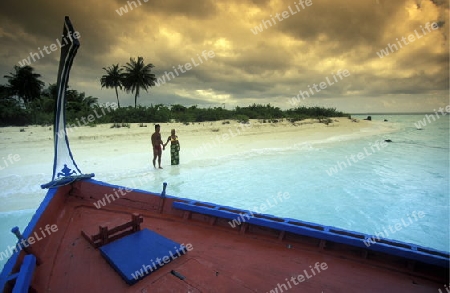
(141, 241)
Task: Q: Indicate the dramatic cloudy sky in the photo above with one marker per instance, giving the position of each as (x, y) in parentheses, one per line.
(304, 48)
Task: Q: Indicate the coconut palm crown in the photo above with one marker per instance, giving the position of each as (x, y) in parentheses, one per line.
(24, 84)
(138, 76)
(113, 79)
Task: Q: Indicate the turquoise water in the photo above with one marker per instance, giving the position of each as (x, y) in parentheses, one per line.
(390, 185)
(375, 186)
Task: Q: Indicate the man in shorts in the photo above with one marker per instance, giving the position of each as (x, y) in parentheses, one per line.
(157, 142)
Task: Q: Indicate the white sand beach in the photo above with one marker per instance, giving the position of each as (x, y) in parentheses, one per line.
(102, 148)
(102, 143)
(26, 157)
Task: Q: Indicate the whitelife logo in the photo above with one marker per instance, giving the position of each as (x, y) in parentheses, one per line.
(53, 47)
(11, 159)
(281, 16)
(132, 4)
(397, 227)
(160, 262)
(184, 68)
(317, 269)
(423, 122)
(322, 85)
(47, 231)
(411, 38)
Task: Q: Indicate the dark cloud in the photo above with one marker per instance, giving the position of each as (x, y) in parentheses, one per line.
(272, 65)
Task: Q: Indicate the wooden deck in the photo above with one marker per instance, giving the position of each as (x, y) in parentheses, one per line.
(221, 259)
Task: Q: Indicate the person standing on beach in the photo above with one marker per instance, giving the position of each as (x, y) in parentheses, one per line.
(157, 142)
(174, 148)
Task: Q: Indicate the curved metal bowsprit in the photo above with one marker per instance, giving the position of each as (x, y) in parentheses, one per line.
(65, 170)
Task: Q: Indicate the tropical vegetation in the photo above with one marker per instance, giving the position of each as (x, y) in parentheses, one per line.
(138, 75)
(25, 101)
(113, 79)
(132, 77)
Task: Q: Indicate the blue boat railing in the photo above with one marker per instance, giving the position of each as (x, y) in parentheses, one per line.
(327, 233)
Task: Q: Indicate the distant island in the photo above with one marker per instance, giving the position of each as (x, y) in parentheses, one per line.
(393, 113)
(25, 101)
(80, 113)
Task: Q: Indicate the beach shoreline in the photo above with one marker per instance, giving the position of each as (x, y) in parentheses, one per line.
(224, 136)
(34, 144)
(28, 155)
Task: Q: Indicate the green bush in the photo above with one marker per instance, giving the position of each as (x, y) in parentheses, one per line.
(241, 118)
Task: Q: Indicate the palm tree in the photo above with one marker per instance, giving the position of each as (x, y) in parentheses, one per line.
(137, 76)
(24, 84)
(113, 79)
(3, 92)
(78, 101)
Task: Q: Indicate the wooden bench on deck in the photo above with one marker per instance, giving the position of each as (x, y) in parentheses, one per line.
(106, 235)
(132, 252)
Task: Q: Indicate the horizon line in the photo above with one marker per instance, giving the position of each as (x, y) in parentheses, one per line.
(395, 113)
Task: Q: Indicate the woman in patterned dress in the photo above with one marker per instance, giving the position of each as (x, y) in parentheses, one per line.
(174, 148)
